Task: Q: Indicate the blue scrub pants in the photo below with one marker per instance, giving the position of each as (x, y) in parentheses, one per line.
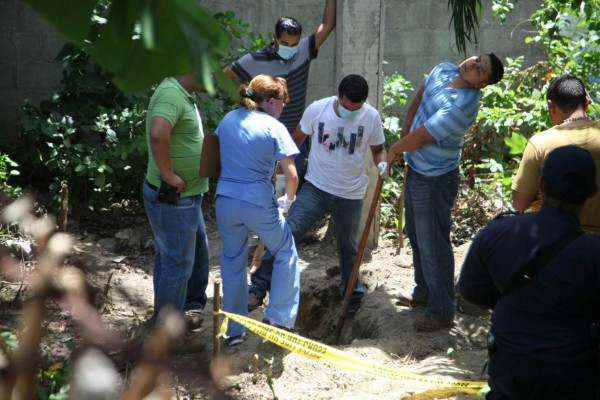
(310, 206)
(234, 219)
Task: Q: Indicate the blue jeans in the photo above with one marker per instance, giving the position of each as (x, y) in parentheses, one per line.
(428, 206)
(234, 219)
(310, 206)
(181, 259)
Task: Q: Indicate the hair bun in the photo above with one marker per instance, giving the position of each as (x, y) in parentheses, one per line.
(249, 94)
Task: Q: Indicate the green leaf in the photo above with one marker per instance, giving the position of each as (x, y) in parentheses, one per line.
(516, 143)
(72, 18)
(147, 18)
(100, 180)
(176, 36)
(116, 36)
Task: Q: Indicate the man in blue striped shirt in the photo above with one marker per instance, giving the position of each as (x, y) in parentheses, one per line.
(433, 132)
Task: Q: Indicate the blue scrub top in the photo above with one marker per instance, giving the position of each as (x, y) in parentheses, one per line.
(250, 144)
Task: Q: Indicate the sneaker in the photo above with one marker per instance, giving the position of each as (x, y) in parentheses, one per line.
(406, 300)
(425, 323)
(254, 301)
(193, 319)
(235, 340)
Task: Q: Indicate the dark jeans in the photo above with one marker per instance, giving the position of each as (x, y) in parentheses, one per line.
(301, 161)
(310, 206)
(429, 201)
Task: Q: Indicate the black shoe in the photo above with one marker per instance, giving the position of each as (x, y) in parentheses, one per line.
(254, 301)
(235, 340)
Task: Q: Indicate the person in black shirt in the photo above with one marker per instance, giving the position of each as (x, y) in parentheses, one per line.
(545, 344)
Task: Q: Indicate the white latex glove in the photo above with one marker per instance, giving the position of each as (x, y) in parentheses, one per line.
(383, 169)
(279, 185)
(285, 203)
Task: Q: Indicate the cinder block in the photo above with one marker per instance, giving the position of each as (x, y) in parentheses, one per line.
(26, 20)
(8, 114)
(7, 16)
(41, 77)
(8, 77)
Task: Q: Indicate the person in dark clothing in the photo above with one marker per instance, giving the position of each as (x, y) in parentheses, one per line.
(544, 340)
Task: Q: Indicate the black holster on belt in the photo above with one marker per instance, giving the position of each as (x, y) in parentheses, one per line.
(167, 194)
(491, 344)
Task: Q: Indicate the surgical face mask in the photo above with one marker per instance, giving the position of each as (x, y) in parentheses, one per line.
(287, 52)
(346, 114)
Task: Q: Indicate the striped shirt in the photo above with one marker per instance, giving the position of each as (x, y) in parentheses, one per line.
(173, 103)
(447, 114)
(294, 71)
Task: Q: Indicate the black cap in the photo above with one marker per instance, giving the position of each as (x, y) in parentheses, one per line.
(570, 167)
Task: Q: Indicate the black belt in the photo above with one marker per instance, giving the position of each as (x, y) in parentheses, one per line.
(151, 186)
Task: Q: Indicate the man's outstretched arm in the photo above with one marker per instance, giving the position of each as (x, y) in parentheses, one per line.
(327, 25)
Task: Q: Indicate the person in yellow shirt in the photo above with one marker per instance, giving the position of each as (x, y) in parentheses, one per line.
(567, 103)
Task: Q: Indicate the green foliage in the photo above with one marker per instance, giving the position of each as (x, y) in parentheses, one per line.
(53, 377)
(569, 33)
(395, 88)
(52, 383)
(465, 19)
(8, 341)
(516, 108)
(142, 41)
(92, 135)
(500, 9)
(390, 195)
(8, 169)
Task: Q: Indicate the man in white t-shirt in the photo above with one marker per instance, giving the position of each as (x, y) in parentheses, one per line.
(342, 129)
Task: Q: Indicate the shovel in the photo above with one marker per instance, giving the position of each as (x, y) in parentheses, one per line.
(359, 256)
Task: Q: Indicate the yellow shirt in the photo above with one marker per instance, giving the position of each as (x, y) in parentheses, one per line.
(527, 179)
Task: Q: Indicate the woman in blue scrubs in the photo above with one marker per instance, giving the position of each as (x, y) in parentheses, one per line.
(251, 141)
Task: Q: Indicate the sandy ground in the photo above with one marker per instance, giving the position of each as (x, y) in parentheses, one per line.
(381, 333)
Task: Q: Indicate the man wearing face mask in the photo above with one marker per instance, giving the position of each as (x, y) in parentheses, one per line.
(343, 129)
(288, 57)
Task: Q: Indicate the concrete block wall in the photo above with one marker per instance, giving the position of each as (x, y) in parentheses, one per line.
(28, 46)
(417, 36)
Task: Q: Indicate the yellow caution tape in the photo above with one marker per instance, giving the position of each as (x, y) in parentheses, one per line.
(334, 357)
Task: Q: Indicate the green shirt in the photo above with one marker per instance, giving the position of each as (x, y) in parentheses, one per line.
(173, 103)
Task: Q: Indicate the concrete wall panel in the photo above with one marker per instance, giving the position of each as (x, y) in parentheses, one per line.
(417, 36)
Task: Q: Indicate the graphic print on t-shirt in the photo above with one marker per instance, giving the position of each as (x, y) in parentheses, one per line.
(345, 144)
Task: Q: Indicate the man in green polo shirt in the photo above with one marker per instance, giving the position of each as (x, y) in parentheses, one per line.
(173, 192)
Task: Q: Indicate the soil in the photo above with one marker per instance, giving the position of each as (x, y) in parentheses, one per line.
(117, 248)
